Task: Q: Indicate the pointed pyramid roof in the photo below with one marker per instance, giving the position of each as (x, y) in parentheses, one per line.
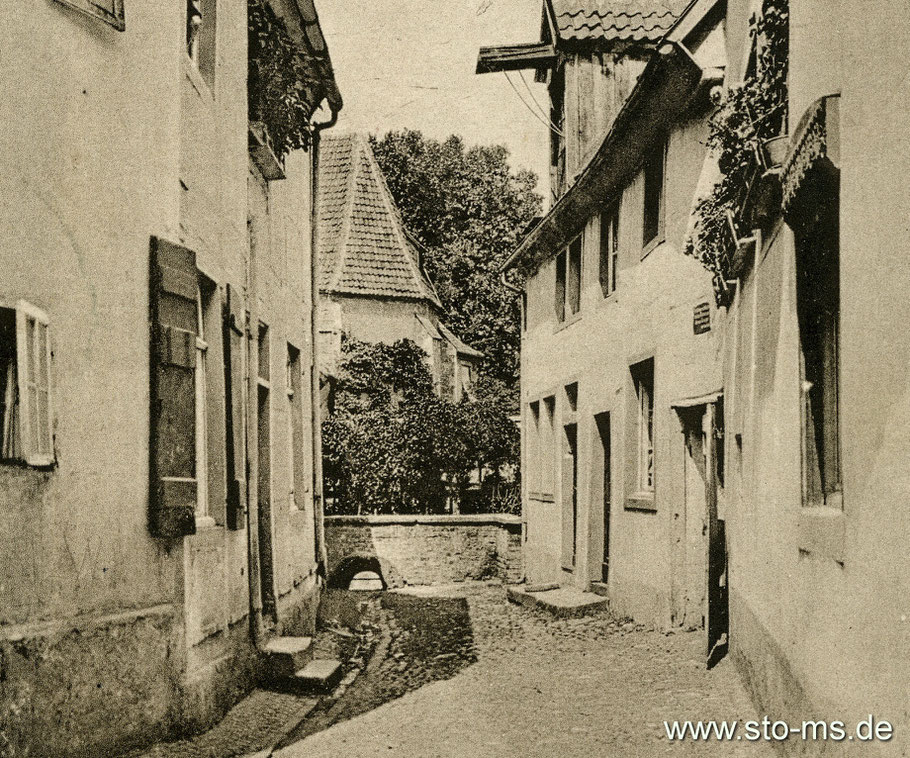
(363, 246)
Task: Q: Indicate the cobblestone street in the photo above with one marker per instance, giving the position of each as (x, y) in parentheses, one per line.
(542, 687)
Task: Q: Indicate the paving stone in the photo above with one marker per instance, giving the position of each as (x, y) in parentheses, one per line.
(542, 686)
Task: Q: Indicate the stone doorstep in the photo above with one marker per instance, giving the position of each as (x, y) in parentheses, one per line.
(563, 602)
(319, 675)
(284, 656)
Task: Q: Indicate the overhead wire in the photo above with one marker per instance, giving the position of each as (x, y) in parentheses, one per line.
(543, 119)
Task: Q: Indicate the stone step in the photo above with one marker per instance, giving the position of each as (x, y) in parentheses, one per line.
(284, 656)
(321, 675)
(565, 602)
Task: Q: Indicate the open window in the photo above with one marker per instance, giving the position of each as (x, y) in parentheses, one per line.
(199, 24)
(643, 379)
(26, 408)
(568, 280)
(609, 249)
(652, 228)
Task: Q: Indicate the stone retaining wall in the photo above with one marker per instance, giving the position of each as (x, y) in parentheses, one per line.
(424, 549)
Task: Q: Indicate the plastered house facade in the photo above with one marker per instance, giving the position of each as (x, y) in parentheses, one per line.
(157, 343)
(619, 352)
(775, 518)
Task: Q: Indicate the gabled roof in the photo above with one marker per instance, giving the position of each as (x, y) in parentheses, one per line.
(615, 20)
(363, 246)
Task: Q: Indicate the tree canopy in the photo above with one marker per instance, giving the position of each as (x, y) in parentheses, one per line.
(391, 445)
(469, 209)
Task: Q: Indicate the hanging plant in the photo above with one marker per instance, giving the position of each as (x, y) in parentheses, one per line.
(283, 87)
(742, 135)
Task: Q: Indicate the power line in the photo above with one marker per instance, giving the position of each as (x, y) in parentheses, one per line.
(545, 121)
(539, 106)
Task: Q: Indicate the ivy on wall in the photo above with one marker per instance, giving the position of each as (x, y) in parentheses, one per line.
(751, 115)
(390, 445)
(283, 86)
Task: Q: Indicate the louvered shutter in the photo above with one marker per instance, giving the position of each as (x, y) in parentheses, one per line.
(173, 292)
(234, 329)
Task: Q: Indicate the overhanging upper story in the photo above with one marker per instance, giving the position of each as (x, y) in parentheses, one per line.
(590, 54)
(674, 85)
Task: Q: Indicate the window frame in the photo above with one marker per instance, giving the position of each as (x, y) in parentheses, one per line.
(609, 257)
(204, 515)
(26, 312)
(568, 288)
(641, 472)
(116, 17)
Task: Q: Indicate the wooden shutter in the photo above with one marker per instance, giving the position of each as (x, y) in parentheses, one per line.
(234, 330)
(172, 444)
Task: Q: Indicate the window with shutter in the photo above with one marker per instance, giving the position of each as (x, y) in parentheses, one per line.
(109, 11)
(173, 500)
(26, 409)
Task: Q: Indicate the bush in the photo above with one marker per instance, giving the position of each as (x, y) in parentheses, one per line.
(392, 446)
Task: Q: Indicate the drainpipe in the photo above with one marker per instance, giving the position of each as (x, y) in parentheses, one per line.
(315, 409)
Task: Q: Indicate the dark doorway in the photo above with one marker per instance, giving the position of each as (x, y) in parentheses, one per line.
(603, 433)
(570, 496)
(264, 483)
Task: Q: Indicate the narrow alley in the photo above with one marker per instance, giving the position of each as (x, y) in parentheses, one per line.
(590, 686)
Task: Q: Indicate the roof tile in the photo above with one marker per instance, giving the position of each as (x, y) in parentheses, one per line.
(363, 247)
(616, 20)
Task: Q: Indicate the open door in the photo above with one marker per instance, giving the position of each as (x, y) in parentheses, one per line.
(603, 433)
(569, 497)
(703, 571)
(717, 618)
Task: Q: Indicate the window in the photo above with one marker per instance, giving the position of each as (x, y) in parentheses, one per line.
(547, 451)
(199, 22)
(533, 448)
(201, 378)
(654, 197)
(643, 377)
(560, 303)
(818, 312)
(109, 11)
(609, 249)
(25, 386)
(295, 424)
(25, 392)
(568, 280)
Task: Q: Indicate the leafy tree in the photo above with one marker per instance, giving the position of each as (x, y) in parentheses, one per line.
(392, 446)
(469, 209)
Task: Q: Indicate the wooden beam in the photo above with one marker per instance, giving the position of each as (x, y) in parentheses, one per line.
(536, 55)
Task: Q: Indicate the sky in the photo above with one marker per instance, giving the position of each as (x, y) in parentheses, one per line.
(410, 63)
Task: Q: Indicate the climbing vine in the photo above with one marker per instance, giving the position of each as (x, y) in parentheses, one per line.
(282, 86)
(751, 114)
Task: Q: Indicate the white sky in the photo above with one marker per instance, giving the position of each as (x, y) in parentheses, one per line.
(410, 63)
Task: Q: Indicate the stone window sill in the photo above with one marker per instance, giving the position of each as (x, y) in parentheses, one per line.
(641, 501)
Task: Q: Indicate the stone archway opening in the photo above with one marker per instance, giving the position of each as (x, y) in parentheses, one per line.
(358, 572)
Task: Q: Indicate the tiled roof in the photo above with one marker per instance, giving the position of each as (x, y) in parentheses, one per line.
(363, 247)
(616, 20)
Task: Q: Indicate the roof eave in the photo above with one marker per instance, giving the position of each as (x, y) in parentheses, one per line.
(662, 94)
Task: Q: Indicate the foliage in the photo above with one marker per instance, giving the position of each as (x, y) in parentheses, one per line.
(392, 446)
(282, 87)
(750, 114)
(469, 209)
